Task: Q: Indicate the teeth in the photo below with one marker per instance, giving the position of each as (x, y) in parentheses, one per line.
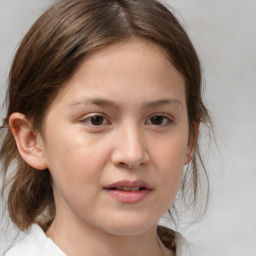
(128, 188)
(135, 189)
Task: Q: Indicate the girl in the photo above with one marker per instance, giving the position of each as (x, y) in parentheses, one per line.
(104, 107)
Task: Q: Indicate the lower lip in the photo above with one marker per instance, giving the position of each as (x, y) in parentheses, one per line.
(129, 196)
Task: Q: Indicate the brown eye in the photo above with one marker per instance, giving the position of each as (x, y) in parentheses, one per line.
(94, 121)
(97, 120)
(158, 120)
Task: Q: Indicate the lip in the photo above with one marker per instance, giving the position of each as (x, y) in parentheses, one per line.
(128, 196)
(128, 183)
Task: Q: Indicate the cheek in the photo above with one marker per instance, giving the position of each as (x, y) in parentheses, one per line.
(74, 160)
(169, 157)
(76, 169)
(170, 152)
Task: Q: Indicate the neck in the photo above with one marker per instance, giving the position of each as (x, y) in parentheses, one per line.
(81, 239)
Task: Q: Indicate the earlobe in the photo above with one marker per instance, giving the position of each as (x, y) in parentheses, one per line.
(29, 142)
(192, 143)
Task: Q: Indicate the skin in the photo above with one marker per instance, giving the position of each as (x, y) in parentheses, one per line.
(125, 85)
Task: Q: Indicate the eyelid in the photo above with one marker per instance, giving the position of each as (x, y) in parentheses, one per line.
(86, 118)
(170, 119)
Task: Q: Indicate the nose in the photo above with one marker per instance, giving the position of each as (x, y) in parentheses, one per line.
(130, 149)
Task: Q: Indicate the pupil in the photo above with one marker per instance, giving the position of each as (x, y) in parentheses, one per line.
(157, 120)
(97, 120)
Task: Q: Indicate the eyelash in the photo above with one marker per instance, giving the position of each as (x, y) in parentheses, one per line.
(88, 120)
(167, 120)
(103, 121)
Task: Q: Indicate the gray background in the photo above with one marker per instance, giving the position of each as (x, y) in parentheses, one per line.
(224, 34)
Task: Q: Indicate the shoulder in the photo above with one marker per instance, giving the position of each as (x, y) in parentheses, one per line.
(184, 247)
(174, 240)
(35, 243)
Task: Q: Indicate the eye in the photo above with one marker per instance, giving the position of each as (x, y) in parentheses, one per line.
(159, 120)
(95, 120)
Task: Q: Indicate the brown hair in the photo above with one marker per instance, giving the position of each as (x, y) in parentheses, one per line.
(50, 53)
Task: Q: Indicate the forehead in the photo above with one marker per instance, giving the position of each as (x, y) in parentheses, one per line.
(133, 64)
(136, 44)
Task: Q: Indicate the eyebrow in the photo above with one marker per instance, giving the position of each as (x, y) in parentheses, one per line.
(95, 101)
(161, 102)
(109, 103)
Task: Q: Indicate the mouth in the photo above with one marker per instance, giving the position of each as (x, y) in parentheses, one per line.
(126, 185)
(128, 188)
(129, 191)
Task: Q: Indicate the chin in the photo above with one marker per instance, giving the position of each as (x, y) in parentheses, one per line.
(129, 228)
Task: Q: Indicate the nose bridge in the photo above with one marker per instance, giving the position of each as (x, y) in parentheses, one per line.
(134, 140)
(130, 150)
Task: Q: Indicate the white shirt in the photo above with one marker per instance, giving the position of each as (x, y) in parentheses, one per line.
(36, 243)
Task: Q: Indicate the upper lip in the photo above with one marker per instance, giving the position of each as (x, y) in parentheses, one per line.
(128, 183)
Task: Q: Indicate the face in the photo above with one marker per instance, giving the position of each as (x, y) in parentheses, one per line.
(116, 139)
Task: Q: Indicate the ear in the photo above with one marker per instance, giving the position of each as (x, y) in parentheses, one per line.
(29, 142)
(192, 142)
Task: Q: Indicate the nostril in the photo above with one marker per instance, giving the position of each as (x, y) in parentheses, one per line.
(123, 165)
(129, 165)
